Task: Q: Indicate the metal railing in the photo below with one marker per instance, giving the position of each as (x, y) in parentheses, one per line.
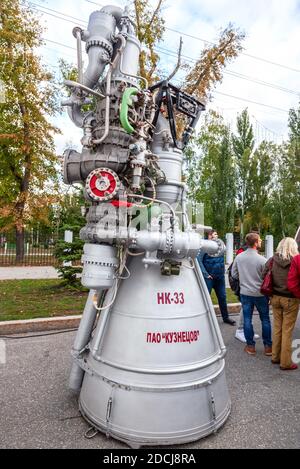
(38, 249)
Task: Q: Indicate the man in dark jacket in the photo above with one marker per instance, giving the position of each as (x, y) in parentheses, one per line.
(213, 270)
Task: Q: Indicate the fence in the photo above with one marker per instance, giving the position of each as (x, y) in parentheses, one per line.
(38, 249)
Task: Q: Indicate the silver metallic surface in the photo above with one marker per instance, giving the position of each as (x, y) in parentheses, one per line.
(99, 265)
(162, 394)
(152, 370)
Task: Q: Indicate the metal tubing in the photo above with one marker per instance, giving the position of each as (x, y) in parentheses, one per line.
(86, 323)
(74, 84)
(107, 110)
(104, 317)
(133, 76)
(79, 56)
(108, 90)
(82, 339)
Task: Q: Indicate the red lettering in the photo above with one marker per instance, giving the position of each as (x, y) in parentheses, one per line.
(160, 298)
(167, 298)
(172, 337)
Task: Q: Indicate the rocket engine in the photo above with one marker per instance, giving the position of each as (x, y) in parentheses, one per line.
(148, 357)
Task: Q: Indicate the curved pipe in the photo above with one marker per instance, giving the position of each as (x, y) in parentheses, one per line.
(96, 66)
(76, 115)
(101, 28)
(98, 36)
(113, 10)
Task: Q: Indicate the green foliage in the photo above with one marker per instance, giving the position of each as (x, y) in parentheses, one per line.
(29, 299)
(69, 212)
(260, 180)
(27, 156)
(211, 174)
(258, 186)
(243, 144)
(150, 29)
(68, 253)
(70, 218)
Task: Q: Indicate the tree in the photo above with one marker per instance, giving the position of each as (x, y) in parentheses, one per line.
(69, 217)
(150, 30)
(243, 145)
(294, 139)
(211, 173)
(27, 156)
(261, 177)
(284, 207)
(208, 70)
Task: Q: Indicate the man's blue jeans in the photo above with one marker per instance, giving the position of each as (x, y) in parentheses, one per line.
(262, 306)
(218, 284)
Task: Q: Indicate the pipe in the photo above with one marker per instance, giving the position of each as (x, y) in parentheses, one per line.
(77, 33)
(82, 339)
(142, 197)
(114, 11)
(108, 90)
(104, 319)
(138, 77)
(171, 242)
(98, 38)
(79, 85)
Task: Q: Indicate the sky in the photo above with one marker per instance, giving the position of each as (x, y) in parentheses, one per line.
(271, 54)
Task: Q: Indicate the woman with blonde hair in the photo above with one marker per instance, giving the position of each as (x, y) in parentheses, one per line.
(285, 306)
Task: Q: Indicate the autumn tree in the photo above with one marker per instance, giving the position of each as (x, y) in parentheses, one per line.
(208, 70)
(150, 29)
(27, 156)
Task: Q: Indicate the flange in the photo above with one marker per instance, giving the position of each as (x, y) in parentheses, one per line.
(102, 184)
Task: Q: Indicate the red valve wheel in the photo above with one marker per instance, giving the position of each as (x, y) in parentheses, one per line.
(102, 184)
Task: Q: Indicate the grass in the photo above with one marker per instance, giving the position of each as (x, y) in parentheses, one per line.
(231, 298)
(29, 299)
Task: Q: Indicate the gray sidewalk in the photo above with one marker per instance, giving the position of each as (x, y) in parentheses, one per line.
(32, 273)
(38, 273)
(37, 410)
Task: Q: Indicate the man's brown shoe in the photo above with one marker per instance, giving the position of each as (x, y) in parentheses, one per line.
(250, 350)
(268, 351)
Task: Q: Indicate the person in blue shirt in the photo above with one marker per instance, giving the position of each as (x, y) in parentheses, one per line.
(213, 270)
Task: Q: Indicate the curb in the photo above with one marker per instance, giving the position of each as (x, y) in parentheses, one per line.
(65, 322)
(39, 325)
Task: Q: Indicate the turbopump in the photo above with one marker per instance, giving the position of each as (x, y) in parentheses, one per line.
(148, 355)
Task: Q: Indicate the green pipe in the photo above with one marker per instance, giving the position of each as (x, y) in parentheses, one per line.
(126, 102)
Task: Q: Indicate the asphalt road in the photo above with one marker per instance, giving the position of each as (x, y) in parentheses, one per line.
(37, 410)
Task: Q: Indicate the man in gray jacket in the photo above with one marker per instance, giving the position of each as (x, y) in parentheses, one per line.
(248, 268)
